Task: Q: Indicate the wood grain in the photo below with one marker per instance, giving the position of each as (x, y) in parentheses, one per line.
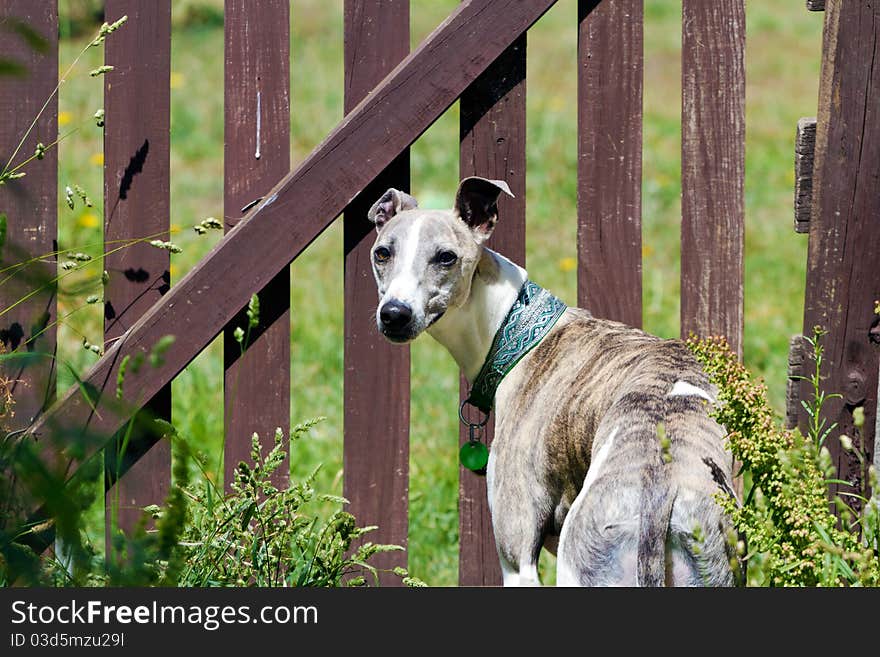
(256, 154)
(805, 145)
(842, 276)
(610, 72)
(30, 206)
(712, 163)
(797, 367)
(492, 145)
(377, 383)
(137, 104)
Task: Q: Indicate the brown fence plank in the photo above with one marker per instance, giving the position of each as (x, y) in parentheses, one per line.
(30, 205)
(299, 207)
(377, 384)
(610, 71)
(804, 146)
(797, 368)
(712, 169)
(493, 145)
(843, 280)
(256, 155)
(137, 105)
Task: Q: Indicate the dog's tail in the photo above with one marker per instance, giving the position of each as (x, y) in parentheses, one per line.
(658, 497)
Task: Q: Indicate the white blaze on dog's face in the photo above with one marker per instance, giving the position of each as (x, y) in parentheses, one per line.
(424, 260)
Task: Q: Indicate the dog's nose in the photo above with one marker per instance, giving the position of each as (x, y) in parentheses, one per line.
(395, 315)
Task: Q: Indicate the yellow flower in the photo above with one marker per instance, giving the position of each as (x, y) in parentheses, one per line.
(97, 159)
(88, 220)
(177, 80)
(174, 229)
(567, 264)
(647, 250)
(557, 103)
(172, 269)
(64, 118)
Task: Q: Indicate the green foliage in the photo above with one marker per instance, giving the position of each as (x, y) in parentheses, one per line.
(157, 353)
(265, 536)
(257, 535)
(793, 537)
(29, 482)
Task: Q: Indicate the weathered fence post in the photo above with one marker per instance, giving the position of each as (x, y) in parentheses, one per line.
(493, 145)
(712, 169)
(377, 383)
(610, 71)
(256, 382)
(30, 207)
(843, 278)
(137, 104)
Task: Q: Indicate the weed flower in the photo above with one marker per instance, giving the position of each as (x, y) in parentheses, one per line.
(106, 29)
(100, 71)
(793, 537)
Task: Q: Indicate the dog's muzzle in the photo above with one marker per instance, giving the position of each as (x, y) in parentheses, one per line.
(395, 318)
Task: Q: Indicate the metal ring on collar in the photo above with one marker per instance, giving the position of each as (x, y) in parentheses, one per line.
(466, 422)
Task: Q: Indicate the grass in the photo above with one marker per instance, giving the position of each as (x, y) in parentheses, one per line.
(782, 64)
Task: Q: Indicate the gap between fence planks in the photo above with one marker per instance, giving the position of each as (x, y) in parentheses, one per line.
(137, 104)
(377, 373)
(30, 206)
(842, 276)
(610, 81)
(256, 381)
(492, 145)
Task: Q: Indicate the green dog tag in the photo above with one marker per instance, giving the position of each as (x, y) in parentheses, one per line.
(474, 455)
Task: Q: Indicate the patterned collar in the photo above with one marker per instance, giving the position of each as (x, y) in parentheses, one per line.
(531, 317)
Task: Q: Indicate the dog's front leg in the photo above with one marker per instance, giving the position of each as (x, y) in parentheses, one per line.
(520, 511)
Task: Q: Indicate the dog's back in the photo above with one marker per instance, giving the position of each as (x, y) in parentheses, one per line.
(634, 408)
(647, 517)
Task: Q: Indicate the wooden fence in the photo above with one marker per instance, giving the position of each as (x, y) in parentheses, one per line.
(477, 55)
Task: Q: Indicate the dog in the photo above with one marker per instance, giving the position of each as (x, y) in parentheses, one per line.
(603, 435)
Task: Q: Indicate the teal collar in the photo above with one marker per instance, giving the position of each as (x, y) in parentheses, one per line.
(529, 320)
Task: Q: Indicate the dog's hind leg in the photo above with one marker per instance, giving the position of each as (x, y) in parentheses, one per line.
(520, 515)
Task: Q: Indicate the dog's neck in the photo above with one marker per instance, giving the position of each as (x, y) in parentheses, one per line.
(467, 331)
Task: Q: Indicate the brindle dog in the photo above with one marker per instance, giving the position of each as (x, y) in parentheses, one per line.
(603, 436)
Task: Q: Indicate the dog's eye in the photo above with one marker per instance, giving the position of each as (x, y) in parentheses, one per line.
(381, 255)
(446, 258)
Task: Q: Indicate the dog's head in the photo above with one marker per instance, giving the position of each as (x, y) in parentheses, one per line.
(424, 260)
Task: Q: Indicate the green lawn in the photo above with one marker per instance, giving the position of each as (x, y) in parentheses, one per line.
(783, 48)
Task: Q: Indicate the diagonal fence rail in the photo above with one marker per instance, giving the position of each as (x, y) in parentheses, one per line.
(289, 218)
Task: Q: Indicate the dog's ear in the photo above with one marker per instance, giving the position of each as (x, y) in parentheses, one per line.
(388, 205)
(476, 204)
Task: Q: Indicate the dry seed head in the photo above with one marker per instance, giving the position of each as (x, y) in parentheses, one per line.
(859, 416)
(100, 71)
